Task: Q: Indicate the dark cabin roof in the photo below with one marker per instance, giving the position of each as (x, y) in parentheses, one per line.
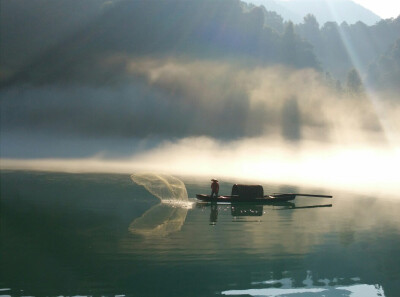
(248, 191)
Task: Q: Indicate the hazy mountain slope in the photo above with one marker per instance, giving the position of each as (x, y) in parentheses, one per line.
(325, 11)
(342, 47)
(204, 29)
(278, 7)
(28, 28)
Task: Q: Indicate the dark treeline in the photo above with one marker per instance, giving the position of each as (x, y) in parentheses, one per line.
(384, 72)
(372, 50)
(340, 48)
(202, 29)
(43, 43)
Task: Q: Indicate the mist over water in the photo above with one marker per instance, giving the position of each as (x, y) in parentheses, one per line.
(207, 118)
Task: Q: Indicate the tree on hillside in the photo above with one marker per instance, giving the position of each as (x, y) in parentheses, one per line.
(274, 21)
(291, 120)
(310, 31)
(395, 53)
(296, 52)
(354, 83)
(385, 72)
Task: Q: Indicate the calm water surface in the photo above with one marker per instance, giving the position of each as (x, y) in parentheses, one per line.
(103, 235)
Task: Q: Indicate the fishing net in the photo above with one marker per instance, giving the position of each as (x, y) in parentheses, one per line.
(168, 216)
(160, 220)
(164, 187)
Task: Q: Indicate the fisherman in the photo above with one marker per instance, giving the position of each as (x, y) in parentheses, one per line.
(214, 188)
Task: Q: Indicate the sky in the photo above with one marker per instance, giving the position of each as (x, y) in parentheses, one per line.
(383, 8)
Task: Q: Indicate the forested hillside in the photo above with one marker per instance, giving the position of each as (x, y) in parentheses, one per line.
(325, 11)
(64, 46)
(343, 47)
(203, 29)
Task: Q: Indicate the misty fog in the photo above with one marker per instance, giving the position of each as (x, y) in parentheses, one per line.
(222, 89)
(206, 117)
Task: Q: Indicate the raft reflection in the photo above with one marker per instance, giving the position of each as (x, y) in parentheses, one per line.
(250, 210)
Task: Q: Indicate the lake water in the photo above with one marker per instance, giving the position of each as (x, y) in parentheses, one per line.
(103, 235)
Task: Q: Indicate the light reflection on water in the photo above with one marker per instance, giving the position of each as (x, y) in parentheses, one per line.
(92, 234)
(325, 288)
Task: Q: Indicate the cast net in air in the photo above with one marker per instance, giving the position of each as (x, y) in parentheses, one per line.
(165, 187)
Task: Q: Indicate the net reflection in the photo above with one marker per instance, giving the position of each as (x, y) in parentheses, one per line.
(160, 220)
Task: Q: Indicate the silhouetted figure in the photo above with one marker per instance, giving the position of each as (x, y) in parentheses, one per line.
(214, 214)
(214, 188)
